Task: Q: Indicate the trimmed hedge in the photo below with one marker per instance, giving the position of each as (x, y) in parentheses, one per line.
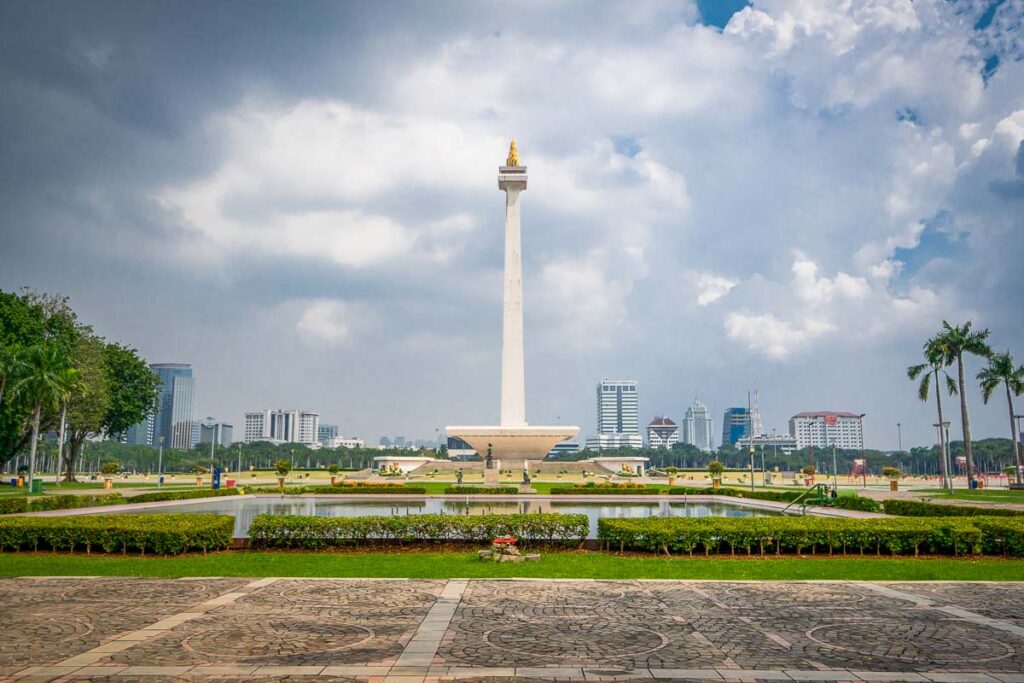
(1001, 535)
(776, 496)
(627, 489)
(373, 490)
(482, 490)
(157, 496)
(916, 508)
(779, 535)
(65, 502)
(311, 533)
(162, 534)
(844, 502)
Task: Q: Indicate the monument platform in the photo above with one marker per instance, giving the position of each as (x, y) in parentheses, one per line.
(513, 443)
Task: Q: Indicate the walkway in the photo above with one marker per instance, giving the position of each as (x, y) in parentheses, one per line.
(404, 631)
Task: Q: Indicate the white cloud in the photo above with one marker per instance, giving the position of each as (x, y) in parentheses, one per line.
(713, 287)
(810, 287)
(774, 338)
(324, 321)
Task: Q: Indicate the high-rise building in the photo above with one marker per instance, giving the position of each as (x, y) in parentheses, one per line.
(697, 426)
(618, 416)
(768, 442)
(218, 432)
(282, 426)
(176, 409)
(662, 433)
(140, 434)
(735, 425)
(326, 432)
(825, 429)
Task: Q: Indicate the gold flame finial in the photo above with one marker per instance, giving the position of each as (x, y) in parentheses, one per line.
(513, 154)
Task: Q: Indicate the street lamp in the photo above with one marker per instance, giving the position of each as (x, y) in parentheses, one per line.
(835, 468)
(899, 436)
(160, 465)
(751, 464)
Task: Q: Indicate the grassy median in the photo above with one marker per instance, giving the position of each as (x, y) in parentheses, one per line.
(567, 565)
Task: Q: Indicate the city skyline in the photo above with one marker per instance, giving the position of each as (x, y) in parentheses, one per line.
(792, 196)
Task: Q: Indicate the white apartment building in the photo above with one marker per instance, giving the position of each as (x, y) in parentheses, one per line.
(768, 442)
(825, 429)
(618, 416)
(282, 426)
(662, 433)
(697, 426)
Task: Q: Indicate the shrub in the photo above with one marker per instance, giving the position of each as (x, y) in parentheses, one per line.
(716, 469)
(625, 488)
(68, 502)
(857, 503)
(916, 508)
(162, 534)
(482, 490)
(778, 535)
(777, 496)
(310, 533)
(891, 472)
(12, 505)
(110, 467)
(157, 496)
(1001, 535)
(328, 489)
(283, 467)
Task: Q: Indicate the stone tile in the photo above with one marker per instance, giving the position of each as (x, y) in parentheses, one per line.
(889, 676)
(821, 675)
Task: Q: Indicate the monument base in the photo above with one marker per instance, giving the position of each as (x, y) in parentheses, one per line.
(491, 477)
(513, 443)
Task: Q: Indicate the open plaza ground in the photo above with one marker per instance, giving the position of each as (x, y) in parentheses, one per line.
(419, 631)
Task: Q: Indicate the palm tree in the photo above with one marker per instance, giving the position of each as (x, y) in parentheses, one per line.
(8, 366)
(1000, 370)
(935, 356)
(69, 382)
(41, 376)
(957, 340)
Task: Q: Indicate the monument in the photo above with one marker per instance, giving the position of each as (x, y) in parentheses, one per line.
(512, 439)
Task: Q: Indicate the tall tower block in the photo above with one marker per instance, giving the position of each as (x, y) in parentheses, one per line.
(512, 181)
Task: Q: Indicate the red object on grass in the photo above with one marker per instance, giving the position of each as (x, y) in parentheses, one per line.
(504, 540)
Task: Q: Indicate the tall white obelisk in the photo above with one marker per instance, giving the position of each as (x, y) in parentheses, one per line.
(512, 439)
(512, 181)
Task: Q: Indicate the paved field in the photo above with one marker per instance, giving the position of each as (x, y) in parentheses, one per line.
(376, 631)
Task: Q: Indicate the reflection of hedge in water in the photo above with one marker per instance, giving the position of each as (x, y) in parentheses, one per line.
(161, 534)
(779, 535)
(296, 531)
(482, 490)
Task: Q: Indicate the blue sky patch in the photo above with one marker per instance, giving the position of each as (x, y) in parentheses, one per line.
(718, 12)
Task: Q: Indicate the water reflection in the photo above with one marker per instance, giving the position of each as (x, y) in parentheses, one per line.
(245, 509)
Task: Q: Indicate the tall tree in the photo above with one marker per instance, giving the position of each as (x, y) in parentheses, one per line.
(1001, 370)
(26, 320)
(956, 341)
(87, 411)
(69, 384)
(41, 380)
(934, 366)
(121, 392)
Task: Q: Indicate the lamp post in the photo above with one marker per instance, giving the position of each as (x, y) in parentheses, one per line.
(751, 464)
(160, 465)
(899, 436)
(764, 473)
(835, 469)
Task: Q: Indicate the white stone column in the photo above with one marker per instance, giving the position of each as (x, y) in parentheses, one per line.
(512, 180)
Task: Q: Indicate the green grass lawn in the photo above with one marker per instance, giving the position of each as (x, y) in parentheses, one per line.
(989, 495)
(580, 565)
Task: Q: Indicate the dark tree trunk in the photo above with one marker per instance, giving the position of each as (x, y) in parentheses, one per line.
(965, 419)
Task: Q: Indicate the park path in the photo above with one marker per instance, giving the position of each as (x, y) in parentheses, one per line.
(507, 631)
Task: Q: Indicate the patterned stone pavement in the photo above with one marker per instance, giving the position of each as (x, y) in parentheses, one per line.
(404, 631)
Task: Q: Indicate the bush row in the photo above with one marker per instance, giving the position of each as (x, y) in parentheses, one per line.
(171, 494)
(605, 489)
(327, 488)
(845, 502)
(296, 531)
(483, 490)
(162, 534)
(65, 502)
(778, 535)
(916, 508)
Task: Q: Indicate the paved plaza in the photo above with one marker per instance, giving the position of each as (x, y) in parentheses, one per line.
(403, 631)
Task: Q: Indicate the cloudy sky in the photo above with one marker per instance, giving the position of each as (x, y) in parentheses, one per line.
(300, 199)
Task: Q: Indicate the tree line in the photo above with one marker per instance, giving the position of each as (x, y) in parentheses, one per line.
(58, 375)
